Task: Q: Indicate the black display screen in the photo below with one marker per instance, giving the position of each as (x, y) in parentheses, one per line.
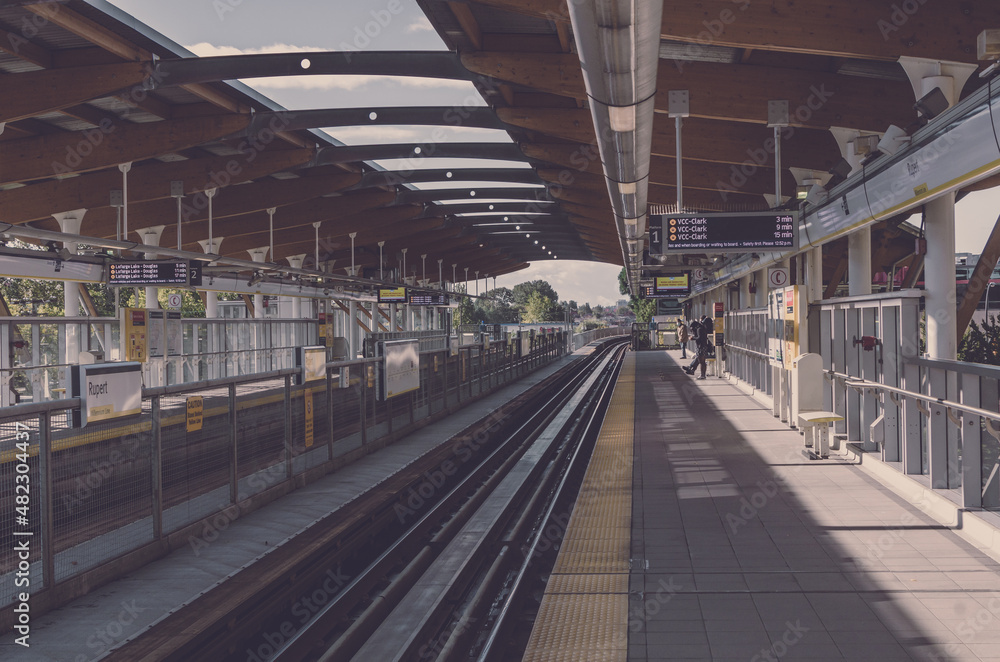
(148, 272)
(427, 299)
(720, 233)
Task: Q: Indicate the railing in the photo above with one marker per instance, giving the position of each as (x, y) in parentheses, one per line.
(130, 489)
(746, 348)
(44, 348)
(943, 422)
(587, 337)
(934, 418)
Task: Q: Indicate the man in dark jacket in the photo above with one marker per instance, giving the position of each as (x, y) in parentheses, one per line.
(701, 340)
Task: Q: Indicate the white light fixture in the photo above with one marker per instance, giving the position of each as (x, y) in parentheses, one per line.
(622, 118)
(517, 227)
(893, 140)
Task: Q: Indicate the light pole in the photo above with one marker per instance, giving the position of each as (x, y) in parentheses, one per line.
(423, 267)
(380, 274)
(988, 288)
(403, 270)
(467, 280)
(477, 283)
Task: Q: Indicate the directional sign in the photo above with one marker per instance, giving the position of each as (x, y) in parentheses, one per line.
(723, 233)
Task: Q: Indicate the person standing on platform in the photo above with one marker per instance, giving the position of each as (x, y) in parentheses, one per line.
(682, 336)
(701, 330)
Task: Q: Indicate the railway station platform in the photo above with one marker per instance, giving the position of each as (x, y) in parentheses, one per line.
(87, 628)
(741, 548)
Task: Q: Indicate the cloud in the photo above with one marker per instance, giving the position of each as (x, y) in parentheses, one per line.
(346, 82)
(420, 25)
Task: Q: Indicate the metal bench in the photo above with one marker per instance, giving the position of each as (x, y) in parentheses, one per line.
(815, 426)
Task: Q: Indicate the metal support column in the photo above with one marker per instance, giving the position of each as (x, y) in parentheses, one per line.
(939, 278)
(859, 262)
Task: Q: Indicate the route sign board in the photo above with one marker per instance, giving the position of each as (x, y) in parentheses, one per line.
(723, 232)
(148, 272)
(428, 299)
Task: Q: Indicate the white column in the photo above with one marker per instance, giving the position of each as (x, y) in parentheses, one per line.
(258, 255)
(69, 223)
(859, 262)
(353, 331)
(814, 273)
(939, 278)
(762, 288)
(211, 247)
(295, 262)
(151, 237)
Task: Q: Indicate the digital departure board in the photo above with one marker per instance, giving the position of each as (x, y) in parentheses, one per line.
(428, 299)
(392, 295)
(723, 233)
(649, 292)
(148, 272)
(678, 285)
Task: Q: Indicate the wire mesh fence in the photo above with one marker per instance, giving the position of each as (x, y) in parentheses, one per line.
(100, 492)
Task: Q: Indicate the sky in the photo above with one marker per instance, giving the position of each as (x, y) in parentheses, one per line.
(222, 27)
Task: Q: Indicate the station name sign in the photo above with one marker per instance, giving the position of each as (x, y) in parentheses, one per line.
(723, 232)
(179, 273)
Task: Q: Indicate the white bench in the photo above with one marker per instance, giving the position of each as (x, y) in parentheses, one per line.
(815, 426)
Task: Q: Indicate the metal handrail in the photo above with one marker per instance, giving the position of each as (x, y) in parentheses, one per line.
(859, 384)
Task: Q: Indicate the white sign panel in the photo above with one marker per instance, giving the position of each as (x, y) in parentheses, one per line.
(106, 391)
(777, 277)
(155, 331)
(174, 300)
(401, 367)
(174, 333)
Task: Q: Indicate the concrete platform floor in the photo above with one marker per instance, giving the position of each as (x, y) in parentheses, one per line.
(743, 549)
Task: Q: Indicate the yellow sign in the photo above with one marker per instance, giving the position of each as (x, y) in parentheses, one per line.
(309, 417)
(195, 413)
(392, 295)
(136, 334)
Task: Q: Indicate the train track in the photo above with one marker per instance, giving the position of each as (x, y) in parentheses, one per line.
(466, 512)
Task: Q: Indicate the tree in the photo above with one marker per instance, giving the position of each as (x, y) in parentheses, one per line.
(522, 291)
(465, 313)
(644, 309)
(539, 308)
(981, 343)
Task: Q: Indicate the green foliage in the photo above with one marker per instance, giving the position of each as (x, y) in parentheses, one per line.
(540, 308)
(522, 291)
(644, 309)
(981, 343)
(465, 313)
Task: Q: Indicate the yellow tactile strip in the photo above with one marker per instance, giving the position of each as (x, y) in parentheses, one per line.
(583, 616)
